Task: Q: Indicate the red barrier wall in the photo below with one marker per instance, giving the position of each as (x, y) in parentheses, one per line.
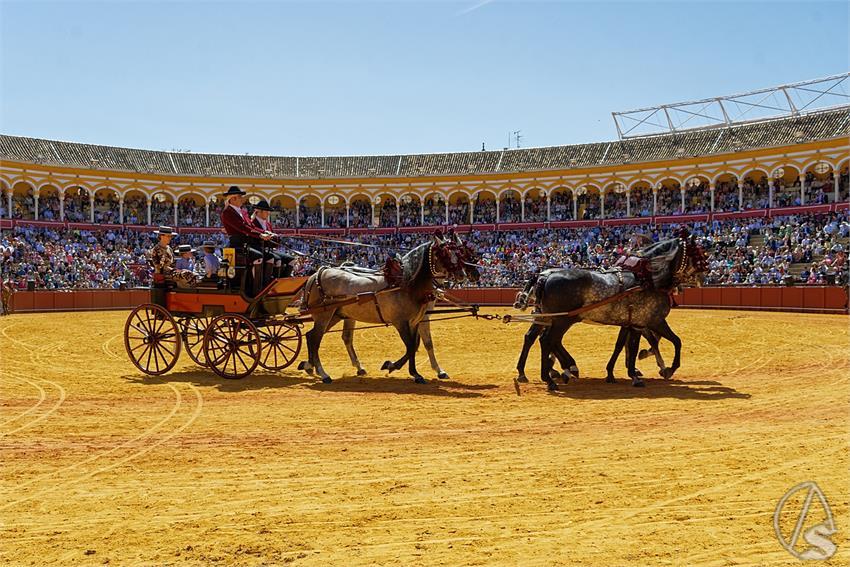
(813, 299)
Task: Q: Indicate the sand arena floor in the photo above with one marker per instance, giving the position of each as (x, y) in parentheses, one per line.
(102, 465)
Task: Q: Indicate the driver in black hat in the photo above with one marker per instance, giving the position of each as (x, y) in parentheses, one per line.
(244, 236)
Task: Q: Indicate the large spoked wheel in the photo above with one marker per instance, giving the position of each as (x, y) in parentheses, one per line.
(152, 339)
(232, 346)
(281, 343)
(192, 332)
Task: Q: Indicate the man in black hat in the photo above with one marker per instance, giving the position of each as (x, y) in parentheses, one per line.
(279, 261)
(244, 236)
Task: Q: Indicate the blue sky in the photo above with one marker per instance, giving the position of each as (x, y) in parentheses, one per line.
(346, 78)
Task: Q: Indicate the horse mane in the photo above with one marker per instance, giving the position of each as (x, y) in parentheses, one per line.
(661, 256)
(413, 262)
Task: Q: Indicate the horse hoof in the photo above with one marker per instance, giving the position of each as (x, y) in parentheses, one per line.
(565, 376)
(443, 376)
(420, 380)
(522, 378)
(610, 379)
(387, 365)
(551, 386)
(574, 371)
(361, 372)
(638, 373)
(553, 374)
(302, 365)
(638, 383)
(667, 373)
(326, 380)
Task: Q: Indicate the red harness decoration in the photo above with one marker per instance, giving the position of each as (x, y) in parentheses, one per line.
(636, 265)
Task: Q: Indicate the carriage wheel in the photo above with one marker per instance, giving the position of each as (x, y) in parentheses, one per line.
(281, 343)
(193, 337)
(232, 346)
(152, 339)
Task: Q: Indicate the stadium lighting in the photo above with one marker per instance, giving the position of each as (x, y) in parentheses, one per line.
(793, 99)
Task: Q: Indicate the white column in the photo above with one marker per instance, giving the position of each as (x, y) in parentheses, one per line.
(770, 193)
(347, 215)
(655, 202)
(61, 206)
(498, 212)
(575, 206)
(803, 188)
(711, 196)
(91, 206)
(522, 209)
(628, 203)
(682, 194)
(176, 221)
(121, 210)
(372, 214)
(421, 212)
(298, 214)
(35, 203)
(148, 200)
(471, 210)
(322, 208)
(602, 204)
(207, 212)
(548, 207)
(397, 214)
(835, 178)
(447, 211)
(740, 196)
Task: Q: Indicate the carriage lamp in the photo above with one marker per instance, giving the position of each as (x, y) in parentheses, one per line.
(231, 272)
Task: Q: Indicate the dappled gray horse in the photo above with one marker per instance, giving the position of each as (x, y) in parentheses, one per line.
(671, 263)
(626, 338)
(402, 307)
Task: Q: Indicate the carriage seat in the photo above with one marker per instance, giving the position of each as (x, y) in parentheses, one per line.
(636, 265)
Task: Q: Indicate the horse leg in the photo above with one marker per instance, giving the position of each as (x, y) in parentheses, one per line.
(425, 334)
(618, 347)
(531, 335)
(314, 341)
(663, 330)
(348, 338)
(652, 339)
(632, 345)
(550, 337)
(410, 337)
(567, 362)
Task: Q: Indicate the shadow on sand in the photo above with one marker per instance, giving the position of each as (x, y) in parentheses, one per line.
(598, 389)
(262, 380)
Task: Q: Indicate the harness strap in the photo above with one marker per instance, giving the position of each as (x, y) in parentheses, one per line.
(579, 310)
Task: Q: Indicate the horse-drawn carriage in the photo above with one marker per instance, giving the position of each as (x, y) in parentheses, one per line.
(218, 325)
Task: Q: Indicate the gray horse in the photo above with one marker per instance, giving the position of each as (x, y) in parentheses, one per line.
(671, 263)
(403, 307)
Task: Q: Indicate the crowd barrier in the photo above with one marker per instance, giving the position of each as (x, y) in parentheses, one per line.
(811, 299)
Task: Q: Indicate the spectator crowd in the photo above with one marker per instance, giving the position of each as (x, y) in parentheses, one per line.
(757, 251)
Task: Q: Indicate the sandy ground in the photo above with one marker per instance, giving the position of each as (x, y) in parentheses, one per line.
(103, 465)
